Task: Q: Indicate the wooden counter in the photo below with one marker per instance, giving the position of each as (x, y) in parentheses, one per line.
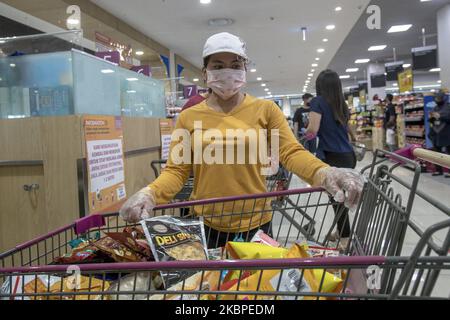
(49, 152)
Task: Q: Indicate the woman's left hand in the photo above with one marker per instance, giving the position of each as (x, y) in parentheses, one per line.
(345, 185)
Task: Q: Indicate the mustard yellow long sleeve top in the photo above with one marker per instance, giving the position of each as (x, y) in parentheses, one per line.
(224, 180)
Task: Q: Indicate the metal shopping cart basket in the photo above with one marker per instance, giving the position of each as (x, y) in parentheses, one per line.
(375, 267)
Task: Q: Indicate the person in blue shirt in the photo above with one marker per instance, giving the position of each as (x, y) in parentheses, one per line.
(328, 120)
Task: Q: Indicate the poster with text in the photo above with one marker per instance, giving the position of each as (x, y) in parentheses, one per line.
(406, 81)
(166, 127)
(105, 162)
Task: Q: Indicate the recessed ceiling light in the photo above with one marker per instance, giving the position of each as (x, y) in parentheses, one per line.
(307, 82)
(338, 9)
(362, 61)
(406, 65)
(195, 80)
(12, 65)
(313, 70)
(205, 1)
(253, 70)
(314, 65)
(377, 48)
(320, 50)
(259, 79)
(132, 79)
(317, 59)
(400, 28)
(131, 91)
(266, 89)
(310, 74)
(435, 70)
(269, 93)
(263, 85)
(106, 71)
(331, 27)
(439, 81)
(140, 53)
(352, 70)
(344, 77)
(325, 40)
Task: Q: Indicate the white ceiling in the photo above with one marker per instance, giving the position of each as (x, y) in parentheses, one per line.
(282, 59)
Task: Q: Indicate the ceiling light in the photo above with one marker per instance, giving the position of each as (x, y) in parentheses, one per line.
(406, 65)
(325, 40)
(106, 71)
(344, 77)
(259, 79)
(263, 85)
(400, 28)
(435, 70)
(317, 59)
(220, 22)
(310, 74)
(338, 9)
(253, 70)
(314, 65)
(313, 70)
(140, 53)
(320, 50)
(132, 79)
(377, 48)
(195, 80)
(269, 93)
(352, 70)
(362, 61)
(12, 65)
(331, 27)
(131, 91)
(439, 81)
(307, 82)
(205, 1)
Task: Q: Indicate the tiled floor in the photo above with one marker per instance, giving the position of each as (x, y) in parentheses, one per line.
(423, 214)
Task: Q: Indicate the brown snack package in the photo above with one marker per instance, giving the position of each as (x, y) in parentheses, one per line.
(116, 250)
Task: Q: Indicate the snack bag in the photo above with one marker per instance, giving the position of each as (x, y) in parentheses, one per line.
(331, 282)
(142, 281)
(251, 251)
(117, 251)
(175, 239)
(14, 286)
(201, 281)
(292, 280)
(261, 237)
(80, 284)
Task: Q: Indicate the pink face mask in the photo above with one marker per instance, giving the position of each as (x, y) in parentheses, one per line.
(226, 82)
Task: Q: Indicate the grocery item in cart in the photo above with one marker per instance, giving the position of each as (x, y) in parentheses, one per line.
(201, 281)
(123, 288)
(14, 286)
(251, 250)
(172, 239)
(117, 251)
(263, 238)
(70, 287)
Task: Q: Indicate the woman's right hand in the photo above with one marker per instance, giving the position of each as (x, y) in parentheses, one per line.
(139, 206)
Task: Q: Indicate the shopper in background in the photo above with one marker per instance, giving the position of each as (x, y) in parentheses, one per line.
(440, 128)
(390, 123)
(301, 122)
(328, 120)
(227, 107)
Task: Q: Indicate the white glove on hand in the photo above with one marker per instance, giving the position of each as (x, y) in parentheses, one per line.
(139, 206)
(345, 185)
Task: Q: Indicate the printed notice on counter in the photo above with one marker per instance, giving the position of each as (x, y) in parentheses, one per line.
(105, 162)
(166, 126)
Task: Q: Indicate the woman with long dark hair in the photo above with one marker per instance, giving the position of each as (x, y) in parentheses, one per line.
(329, 118)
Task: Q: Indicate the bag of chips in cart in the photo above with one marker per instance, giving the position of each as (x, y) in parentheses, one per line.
(27, 287)
(173, 239)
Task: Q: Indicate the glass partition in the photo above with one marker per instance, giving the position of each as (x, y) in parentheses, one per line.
(75, 82)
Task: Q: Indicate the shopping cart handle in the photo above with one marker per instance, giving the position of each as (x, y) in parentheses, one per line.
(417, 152)
(85, 224)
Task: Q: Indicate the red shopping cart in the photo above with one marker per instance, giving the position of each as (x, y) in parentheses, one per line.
(374, 266)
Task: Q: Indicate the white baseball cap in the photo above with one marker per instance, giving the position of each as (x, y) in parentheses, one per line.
(225, 42)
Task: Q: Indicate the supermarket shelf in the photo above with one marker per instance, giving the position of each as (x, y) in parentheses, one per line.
(414, 134)
(413, 108)
(414, 119)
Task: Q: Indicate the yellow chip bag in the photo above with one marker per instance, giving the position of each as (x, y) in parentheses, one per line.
(254, 251)
(330, 283)
(283, 281)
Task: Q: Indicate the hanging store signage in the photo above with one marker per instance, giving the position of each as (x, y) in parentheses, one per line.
(105, 162)
(406, 81)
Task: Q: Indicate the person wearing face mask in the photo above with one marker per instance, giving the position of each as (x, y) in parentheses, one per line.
(440, 128)
(228, 108)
